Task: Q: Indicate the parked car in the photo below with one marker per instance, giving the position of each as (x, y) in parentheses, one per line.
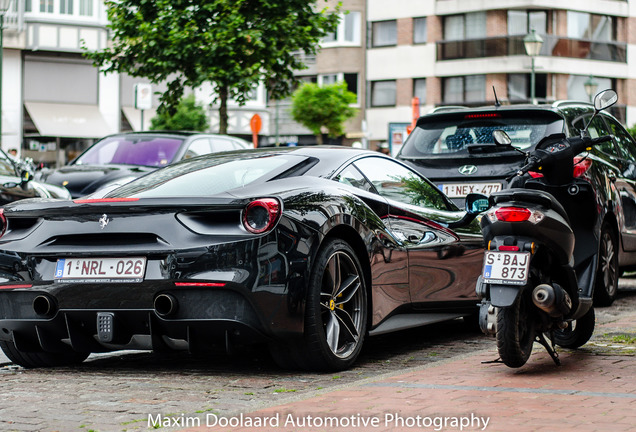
(454, 148)
(16, 182)
(308, 249)
(117, 159)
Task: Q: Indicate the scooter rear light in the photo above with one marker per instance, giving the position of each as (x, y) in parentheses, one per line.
(581, 165)
(515, 214)
(509, 248)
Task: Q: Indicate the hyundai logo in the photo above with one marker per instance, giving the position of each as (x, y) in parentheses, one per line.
(467, 169)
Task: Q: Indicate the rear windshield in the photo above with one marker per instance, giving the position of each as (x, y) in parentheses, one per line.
(131, 150)
(473, 132)
(207, 176)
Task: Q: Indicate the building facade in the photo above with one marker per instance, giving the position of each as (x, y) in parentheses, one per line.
(462, 52)
(442, 52)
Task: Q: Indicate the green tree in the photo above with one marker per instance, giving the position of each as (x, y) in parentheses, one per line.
(188, 116)
(632, 130)
(233, 44)
(327, 107)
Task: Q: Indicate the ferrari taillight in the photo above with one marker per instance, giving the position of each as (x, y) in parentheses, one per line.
(261, 215)
(3, 222)
(514, 214)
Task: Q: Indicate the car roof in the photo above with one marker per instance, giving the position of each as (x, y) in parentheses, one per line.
(170, 133)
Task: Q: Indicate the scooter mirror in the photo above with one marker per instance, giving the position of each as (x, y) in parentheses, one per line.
(605, 99)
(501, 138)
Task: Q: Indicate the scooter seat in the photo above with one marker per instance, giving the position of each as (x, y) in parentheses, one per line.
(530, 196)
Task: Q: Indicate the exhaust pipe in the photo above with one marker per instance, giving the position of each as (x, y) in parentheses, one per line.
(553, 300)
(44, 306)
(166, 305)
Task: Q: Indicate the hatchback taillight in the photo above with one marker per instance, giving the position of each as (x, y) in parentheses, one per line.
(581, 165)
(514, 214)
(3, 222)
(261, 215)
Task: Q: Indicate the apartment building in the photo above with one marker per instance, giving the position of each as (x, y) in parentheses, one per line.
(460, 52)
(444, 52)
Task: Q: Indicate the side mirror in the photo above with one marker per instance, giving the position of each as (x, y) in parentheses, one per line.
(476, 203)
(501, 138)
(605, 99)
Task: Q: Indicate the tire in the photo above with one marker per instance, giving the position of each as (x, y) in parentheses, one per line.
(515, 332)
(41, 359)
(578, 332)
(607, 272)
(335, 313)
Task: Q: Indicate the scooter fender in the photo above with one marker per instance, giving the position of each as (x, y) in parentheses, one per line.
(504, 295)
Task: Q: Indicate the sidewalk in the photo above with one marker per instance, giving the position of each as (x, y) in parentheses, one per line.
(594, 389)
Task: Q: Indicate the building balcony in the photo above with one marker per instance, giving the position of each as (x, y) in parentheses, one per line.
(553, 46)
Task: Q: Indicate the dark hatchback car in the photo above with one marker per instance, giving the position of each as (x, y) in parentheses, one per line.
(120, 158)
(454, 148)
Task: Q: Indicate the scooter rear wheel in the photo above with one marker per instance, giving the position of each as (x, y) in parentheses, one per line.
(577, 333)
(515, 332)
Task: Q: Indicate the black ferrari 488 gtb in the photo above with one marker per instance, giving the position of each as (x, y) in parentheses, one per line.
(309, 250)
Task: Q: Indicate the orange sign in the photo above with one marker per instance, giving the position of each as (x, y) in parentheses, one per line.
(256, 123)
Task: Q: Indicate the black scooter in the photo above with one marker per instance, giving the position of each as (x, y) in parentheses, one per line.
(531, 287)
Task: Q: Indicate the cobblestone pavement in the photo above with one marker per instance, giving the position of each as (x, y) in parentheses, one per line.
(118, 393)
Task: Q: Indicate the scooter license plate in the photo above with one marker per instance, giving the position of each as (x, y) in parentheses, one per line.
(508, 268)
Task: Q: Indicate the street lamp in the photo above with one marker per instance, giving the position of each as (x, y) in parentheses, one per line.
(4, 7)
(590, 85)
(533, 43)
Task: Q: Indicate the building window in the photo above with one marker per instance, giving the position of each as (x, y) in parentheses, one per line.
(521, 22)
(576, 87)
(519, 87)
(383, 93)
(466, 26)
(46, 6)
(66, 7)
(419, 89)
(419, 30)
(384, 33)
(86, 7)
(351, 79)
(347, 32)
(582, 25)
(466, 89)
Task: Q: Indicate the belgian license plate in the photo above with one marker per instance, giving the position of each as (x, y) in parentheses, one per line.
(506, 267)
(460, 190)
(100, 269)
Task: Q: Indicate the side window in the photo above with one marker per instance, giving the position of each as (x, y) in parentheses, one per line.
(220, 144)
(623, 139)
(393, 181)
(352, 177)
(198, 147)
(596, 129)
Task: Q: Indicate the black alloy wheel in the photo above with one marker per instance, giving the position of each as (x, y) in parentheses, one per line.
(516, 331)
(335, 315)
(607, 273)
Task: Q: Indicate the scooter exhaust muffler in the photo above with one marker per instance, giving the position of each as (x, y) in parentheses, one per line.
(554, 300)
